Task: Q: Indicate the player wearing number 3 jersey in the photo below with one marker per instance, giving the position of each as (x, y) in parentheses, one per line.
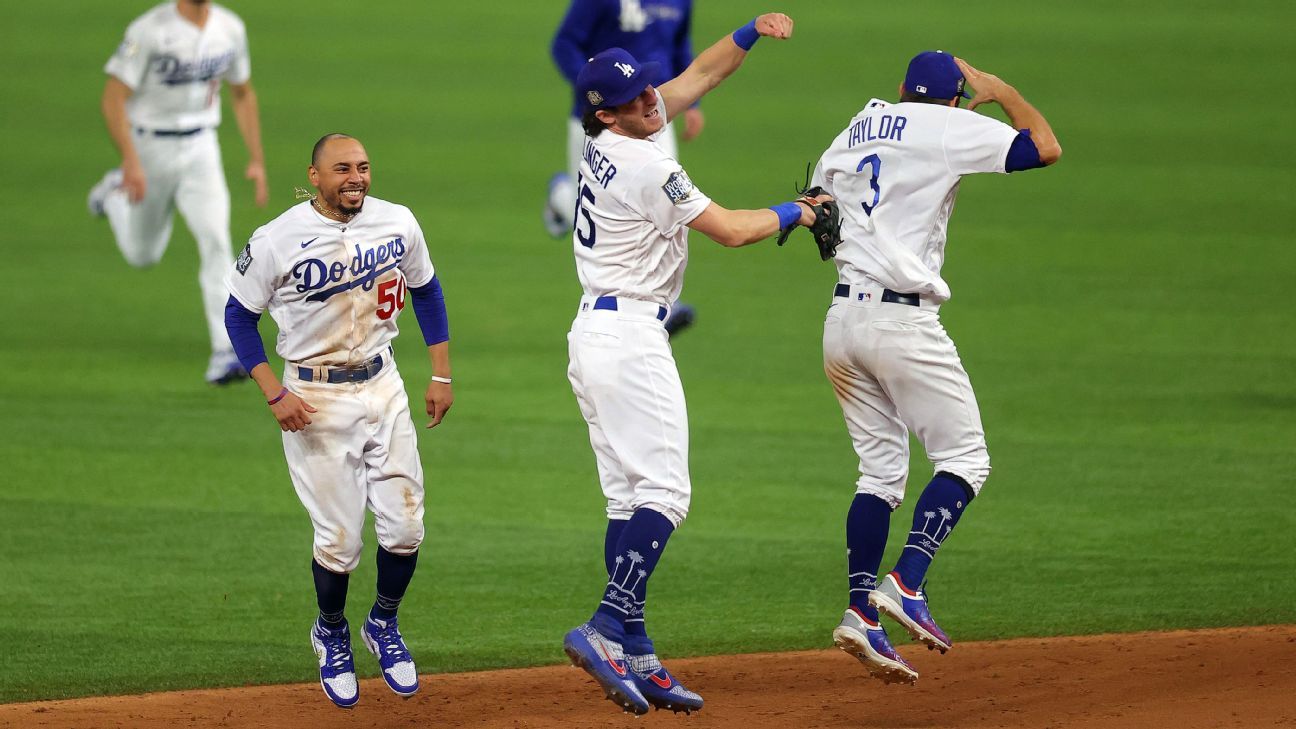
(895, 170)
(631, 243)
(335, 272)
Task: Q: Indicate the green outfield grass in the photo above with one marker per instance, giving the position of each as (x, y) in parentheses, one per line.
(1126, 319)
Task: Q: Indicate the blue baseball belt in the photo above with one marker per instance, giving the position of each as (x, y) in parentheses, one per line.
(339, 375)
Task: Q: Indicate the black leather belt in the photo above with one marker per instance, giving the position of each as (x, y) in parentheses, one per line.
(609, 303)
(888, 296)
(339, 375)
(170, 132)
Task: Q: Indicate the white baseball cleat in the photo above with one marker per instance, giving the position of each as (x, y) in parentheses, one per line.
(109, 182)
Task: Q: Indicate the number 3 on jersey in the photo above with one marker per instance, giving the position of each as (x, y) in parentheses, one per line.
(581, 212)
(391, 301)
(876, 163)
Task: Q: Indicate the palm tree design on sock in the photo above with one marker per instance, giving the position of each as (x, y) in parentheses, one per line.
(618, 594)
(945, 517)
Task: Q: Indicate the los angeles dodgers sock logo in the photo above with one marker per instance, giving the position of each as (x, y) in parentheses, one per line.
(937, 511)
(639, 548)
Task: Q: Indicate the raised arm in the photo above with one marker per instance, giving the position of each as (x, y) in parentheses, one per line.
(716, 63)
(990, 88)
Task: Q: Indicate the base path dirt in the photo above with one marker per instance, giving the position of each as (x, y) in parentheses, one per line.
(1243, 677)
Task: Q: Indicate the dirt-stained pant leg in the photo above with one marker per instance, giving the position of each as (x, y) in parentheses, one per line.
(880, 439)
(623, 372)
(326, 463)
(895, 369)
(393, 471)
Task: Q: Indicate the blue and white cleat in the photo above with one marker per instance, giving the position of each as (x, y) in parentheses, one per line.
(867, 641)
(909, 608)
(660, 687)
(604, 660)
(337, 669)
(383, 639)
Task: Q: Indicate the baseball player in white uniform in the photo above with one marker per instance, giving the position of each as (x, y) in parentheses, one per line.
(895, 170)
(161, 103)
(631, 243)
(335, 272)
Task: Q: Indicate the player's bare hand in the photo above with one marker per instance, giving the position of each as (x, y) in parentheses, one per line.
(774, 25)
(133, 181)
(439, 398)
(693, 123)
(807, 213)
(257, 174)
(292, 412)
(988, 86)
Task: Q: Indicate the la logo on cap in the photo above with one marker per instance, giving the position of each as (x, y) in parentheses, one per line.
(625, 68)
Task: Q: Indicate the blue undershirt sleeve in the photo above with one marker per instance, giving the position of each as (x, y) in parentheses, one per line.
(1022, 154)
(429, 309)
(241, 325)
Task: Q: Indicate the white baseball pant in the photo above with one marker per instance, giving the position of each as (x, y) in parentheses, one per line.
(185, 173)
(894, 369)
(360, 449)
(629, 390)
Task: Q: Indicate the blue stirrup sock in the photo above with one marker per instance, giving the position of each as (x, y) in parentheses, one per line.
(620, 612)
(937, 511)
(866, 537)
(394, 574)
(330, 594)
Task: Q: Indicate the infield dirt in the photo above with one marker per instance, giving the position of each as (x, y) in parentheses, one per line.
(1238, 677)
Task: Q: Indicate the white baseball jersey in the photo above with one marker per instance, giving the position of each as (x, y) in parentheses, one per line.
(895, 170)
(634, 206)
(335, 289)
(175, 68)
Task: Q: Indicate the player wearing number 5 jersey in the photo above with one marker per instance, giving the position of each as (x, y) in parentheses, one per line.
(895, 170)
(636, 208)
(334, 273)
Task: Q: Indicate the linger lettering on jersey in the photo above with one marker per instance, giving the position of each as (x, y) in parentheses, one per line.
(633, 209)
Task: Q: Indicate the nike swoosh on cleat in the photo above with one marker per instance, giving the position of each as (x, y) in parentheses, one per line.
(663, 682)
(312, 240)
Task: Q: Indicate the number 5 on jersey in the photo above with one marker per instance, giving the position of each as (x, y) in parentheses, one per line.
(581, 212)
(391, 297)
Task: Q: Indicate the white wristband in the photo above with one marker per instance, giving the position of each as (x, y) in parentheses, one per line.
(442, 380)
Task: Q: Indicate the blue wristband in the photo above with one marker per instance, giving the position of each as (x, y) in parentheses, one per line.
(746, 36)
(789, 213)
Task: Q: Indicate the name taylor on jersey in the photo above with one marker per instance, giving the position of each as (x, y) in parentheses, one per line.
(887, 127)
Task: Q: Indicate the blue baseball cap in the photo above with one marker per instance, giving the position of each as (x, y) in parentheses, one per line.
(613, 77)
(936, 75)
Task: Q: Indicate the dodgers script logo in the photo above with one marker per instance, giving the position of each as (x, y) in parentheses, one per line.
(365, 267)
(175, 71)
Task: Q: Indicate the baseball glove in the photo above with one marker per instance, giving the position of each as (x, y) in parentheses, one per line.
(827, 225)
